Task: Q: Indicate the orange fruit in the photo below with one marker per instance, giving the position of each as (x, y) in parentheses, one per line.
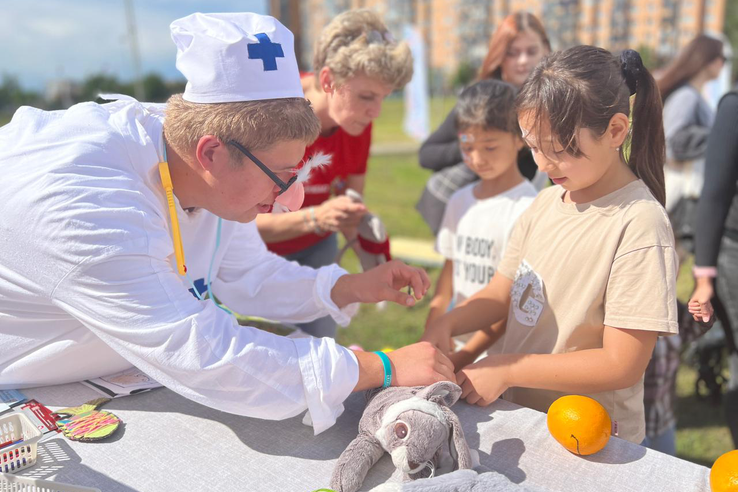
(579, 423)
(724, 473)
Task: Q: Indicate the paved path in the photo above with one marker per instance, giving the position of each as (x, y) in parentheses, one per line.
(419, 252)
(395, 148)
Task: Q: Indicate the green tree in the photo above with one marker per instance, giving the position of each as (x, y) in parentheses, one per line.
(650, 61)
(12, 95)
(155, 88)
(464, 75)
(100, 83)
(176, 87)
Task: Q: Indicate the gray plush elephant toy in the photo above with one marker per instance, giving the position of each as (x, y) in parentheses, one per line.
(415, 426)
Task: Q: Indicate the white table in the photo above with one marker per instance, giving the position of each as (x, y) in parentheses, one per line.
(168, 443)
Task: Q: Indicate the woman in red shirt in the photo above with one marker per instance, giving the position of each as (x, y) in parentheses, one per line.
(357, 64)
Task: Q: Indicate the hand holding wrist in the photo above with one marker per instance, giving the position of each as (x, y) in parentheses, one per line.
(505, 366)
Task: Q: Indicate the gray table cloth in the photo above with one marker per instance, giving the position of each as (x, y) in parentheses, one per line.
(169, 443)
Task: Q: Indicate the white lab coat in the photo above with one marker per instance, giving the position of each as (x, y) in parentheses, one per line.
(88, 281)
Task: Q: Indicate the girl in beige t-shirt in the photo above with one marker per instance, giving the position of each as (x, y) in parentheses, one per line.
(588, 280)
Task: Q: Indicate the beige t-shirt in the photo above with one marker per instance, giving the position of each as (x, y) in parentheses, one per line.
(579, 267)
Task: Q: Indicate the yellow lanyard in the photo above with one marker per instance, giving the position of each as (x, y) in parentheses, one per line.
(166, 181)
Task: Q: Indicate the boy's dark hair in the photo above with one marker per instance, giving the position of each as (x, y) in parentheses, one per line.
(583, 87)
(488, 104)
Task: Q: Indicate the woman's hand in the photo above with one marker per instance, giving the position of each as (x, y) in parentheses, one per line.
(483, 382)
(382, 283)
(339, 214)
(699, 305)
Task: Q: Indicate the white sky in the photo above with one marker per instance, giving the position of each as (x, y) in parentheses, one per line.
(41, 40)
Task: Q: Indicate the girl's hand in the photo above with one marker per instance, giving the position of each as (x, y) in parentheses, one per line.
(461, 359)
(699, 305)
(483, 382)
(439, 335)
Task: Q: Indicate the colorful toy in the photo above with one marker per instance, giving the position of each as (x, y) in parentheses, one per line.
(85, 423)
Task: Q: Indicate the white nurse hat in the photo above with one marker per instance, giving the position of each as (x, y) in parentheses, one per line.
(235, 57)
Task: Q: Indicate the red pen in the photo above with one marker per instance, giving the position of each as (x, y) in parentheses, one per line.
(10, 443)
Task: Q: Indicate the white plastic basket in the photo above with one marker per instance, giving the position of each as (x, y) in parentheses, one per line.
(14, 427)
(13, 483)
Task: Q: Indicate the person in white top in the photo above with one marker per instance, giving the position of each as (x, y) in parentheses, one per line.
(117, 216)
(479, 217)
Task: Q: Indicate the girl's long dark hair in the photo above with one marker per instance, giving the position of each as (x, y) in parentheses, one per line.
(699, 53)
(583, 87)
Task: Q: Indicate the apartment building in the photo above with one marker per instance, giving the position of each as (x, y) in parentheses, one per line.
(458, 31)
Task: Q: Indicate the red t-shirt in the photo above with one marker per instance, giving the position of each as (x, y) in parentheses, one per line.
(350, 155)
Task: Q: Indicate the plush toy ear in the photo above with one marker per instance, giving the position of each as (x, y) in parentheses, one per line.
(355, 462)
(444, 393)
(457, 442)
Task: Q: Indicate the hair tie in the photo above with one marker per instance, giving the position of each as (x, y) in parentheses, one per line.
(631, 66)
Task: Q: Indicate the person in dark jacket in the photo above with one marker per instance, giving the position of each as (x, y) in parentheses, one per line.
(687, 122)
(716, 238)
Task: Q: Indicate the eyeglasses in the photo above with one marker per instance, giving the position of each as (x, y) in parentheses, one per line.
(282, 185)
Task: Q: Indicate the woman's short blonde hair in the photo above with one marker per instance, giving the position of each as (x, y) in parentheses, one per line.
(256, 125)
(357, 42)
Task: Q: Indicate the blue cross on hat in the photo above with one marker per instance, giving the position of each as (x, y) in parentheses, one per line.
(233, 57)
(266, 51)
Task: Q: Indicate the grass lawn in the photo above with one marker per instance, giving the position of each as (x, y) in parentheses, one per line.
(388, 127)
(701, 432)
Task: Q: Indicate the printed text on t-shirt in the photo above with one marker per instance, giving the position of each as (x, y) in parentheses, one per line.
(471, 248)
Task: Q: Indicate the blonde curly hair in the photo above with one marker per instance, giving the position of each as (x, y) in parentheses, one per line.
(357, 42)
(256, 125)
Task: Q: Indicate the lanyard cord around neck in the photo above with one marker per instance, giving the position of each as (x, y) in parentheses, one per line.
(166, 180)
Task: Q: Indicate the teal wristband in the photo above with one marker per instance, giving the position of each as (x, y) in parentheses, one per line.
(387, 369)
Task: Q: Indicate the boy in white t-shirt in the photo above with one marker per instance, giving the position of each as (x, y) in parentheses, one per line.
(480, 217)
